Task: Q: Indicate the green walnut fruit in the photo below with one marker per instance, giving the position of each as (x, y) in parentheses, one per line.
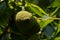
(26, 23)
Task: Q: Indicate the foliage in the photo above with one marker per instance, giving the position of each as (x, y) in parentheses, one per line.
(47, 10)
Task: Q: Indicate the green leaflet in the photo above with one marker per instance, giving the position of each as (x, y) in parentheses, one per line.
(56, 3)
(36, 11)
(57, 38)
(39, 11)
(39, 8)
(44, 23)
(58, 25)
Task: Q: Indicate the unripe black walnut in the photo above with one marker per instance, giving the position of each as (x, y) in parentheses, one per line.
(26, 24)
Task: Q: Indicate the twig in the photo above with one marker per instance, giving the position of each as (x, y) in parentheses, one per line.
(50, 18)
